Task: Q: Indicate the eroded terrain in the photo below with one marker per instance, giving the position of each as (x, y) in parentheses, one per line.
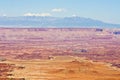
(60, 54)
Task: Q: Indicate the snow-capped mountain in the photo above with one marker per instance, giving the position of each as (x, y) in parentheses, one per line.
(54, 22)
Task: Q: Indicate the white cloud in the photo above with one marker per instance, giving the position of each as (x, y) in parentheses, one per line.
(74, 15)
(4, 15)
(58, 10)
(38, 14)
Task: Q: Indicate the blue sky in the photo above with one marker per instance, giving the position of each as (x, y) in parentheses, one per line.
(105, 10)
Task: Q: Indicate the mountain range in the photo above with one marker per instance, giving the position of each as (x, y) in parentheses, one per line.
(54, 22)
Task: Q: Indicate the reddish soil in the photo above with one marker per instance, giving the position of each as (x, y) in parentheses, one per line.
(45, 44)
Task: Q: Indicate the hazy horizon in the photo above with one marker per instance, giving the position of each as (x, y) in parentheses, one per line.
(103, 10)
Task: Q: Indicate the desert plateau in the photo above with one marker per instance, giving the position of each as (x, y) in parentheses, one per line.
(59, 54)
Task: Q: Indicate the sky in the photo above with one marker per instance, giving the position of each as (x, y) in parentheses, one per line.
(104, 10)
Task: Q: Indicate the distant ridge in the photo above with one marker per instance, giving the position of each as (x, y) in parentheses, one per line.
(54, 22)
